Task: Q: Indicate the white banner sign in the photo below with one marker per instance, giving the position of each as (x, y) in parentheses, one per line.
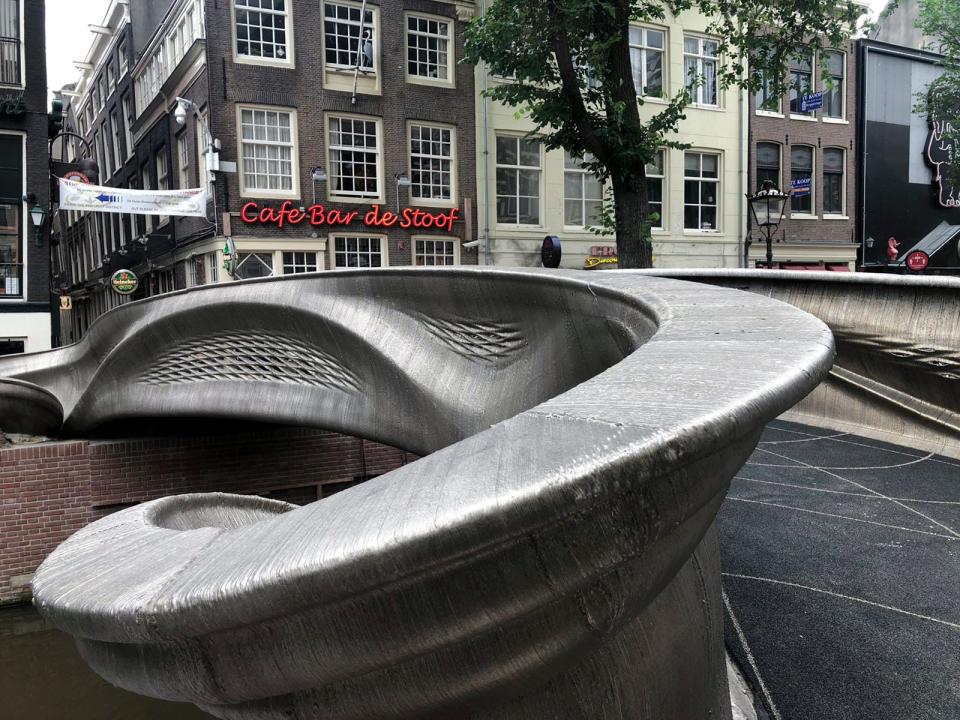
(96, 198)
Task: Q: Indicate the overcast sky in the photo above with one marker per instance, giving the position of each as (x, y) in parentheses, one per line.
(69, 39)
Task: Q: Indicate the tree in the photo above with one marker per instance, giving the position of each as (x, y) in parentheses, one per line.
(569, 69)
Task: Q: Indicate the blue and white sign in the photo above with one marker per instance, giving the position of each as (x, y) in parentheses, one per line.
(811, 101)
(800, 186)
(97, 198)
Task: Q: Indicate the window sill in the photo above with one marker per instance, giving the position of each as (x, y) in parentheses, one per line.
(353, 199)
(836, 121)
(709, 108)
(652, 99)
(264, 62)
(804, 118)
(691, 231)
(803, 216)
(255, 195)
(430, 82)
(768, 113)
(834, 216)
(518, 226)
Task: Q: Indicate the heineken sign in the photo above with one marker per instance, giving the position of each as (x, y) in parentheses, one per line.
(124, 282)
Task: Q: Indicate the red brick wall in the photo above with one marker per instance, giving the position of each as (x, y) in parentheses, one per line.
(51, 490)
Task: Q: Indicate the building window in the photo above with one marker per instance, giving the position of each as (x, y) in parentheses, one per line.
(518, 181)
(128, 124)
(115, 125)
(261, 29)
(213, 272)
(801, 175)
(145, 179)
(646, 60)
(199, 271)
(431, 163)
(767, 98)
(123, 59)
(111, 78)
(833, 93)
(254, 265)
(299, 262)
(183, 160)
(700, 69)
(11, 230)
(435, 252)
(95, 101)
(267, 148)
(358, 252)
(354, 157)
(768, 164)
(11, 72)
(163, 170)
(348, 41)
(833, 166)
(655, 178)
(701, 190)
(582, 192)
(801, 82)
(428, 48)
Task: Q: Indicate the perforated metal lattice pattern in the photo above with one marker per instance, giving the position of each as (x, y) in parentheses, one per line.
(249, 356)
(941, 361)
(484, 341)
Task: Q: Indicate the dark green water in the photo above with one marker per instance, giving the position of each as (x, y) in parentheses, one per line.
(43, 678)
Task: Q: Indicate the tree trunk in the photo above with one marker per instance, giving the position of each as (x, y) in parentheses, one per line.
(633, 224)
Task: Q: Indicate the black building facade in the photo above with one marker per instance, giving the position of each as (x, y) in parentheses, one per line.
(909, 211)
(25, 300)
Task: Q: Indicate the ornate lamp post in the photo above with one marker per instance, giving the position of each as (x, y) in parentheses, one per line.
(767, 207)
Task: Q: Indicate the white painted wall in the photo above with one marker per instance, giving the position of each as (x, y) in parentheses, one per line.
(34, 328)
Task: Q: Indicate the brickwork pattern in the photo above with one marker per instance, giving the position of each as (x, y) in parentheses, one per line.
(51, 490)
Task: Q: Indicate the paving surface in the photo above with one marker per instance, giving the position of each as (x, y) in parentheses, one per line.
(841, 559)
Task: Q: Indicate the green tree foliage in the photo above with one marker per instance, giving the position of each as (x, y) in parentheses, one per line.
(568, 64)
(939, 20)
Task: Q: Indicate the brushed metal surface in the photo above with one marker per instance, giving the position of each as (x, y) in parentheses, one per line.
(897, 371)
(552, 554)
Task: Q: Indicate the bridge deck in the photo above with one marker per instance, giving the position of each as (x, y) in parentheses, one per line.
(841, 560)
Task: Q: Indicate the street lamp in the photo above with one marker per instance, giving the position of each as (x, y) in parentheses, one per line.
(180, 116)
(768, 206)
(38, 215)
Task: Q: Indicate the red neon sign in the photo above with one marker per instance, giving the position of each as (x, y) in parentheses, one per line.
(322, 216)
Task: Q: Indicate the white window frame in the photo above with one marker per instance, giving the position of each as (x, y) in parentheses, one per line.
(23, 49)
(842, 118)
(810, 115)
(115, 131)
(183, 160)
(450, 80)
(246, 253)
(582, 175)
(831, 215)
(287, 62)
(717, 181)
(664, 189)
(643, 47)
(497, 166)
(145, 183)
(317, 264)
(697, 100)
(756, 163)
(813, 184)
(454, 241)
(374, 37)
(127, 109)
(332, 248)
(294, 191)
(122, 58)
(452, 201)
(19, 290)
(330, 148)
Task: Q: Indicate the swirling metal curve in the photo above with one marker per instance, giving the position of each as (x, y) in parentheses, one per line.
(552, 556)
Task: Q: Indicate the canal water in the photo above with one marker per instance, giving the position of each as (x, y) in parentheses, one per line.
(43, 678)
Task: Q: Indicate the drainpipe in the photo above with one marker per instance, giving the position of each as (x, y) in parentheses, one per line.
(742, 247)
(486, 153)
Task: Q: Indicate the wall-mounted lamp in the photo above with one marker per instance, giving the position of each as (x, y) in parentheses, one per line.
(319, 175)
(402, 181)
(38, 215)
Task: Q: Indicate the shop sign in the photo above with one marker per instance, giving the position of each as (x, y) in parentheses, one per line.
(800, 186)
(12, 105)
(604, 251)
(811, 101)
(321, 216)
(77, 176)
(942, 148)
(66, 302)
(917, 260)
(593, 262)
(124, 282)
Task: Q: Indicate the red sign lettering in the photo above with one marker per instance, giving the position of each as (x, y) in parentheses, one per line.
(321, 216)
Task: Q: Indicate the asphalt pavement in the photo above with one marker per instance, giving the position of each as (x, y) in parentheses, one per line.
(841, 561)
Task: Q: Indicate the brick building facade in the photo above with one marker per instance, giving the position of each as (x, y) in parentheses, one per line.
(789, 144)
(25, 319)
(361, 109)
(50, 490)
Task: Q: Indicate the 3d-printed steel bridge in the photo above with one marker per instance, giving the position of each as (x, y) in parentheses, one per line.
(552, 555)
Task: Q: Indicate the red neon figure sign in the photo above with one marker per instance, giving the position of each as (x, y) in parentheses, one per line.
(322, 216)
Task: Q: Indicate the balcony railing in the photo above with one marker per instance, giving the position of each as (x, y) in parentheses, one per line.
(10, 61)
(11, 280)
